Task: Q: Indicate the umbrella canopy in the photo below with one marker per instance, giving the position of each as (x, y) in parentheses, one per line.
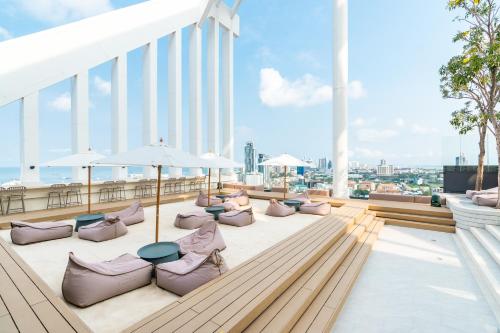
(284, 160)
(84, 159)
(155, 155)
(218, 162)
(75, 160)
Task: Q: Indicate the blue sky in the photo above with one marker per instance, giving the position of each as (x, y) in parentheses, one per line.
(283, 73)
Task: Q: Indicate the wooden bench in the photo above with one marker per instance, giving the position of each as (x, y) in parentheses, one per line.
(231, 302)
(27, 304)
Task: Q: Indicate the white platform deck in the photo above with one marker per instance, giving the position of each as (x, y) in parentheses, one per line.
(466, 214)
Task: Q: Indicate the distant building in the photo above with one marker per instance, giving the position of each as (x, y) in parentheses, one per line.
(388, 188)
(354, 164)
(261, 158)
(330, 165)
(460, 160)
(250, 158)
(322, 164)
(384, 169)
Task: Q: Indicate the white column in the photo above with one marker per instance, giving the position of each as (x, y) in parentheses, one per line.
(150, 99)
(340, 85)
(195, 143)
(119, 111)
(29, 145)
(228, 95)
(80, 120)
(175, 95)
(213, 84)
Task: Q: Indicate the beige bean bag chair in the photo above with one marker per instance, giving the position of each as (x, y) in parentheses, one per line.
(230, 205)
(203, 241)
(190, 272)
(103, 230)
(303, 197)
(471, 193)
(23, 233)
(193, 220)
(202, 200)
(316, 208)
(240, 197)
(85, 283)
(237, 218)
(278, 209)
(131, 215)
(488, 200)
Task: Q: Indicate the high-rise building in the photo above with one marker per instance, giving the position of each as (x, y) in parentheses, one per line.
(261, 158)
(460, 160)
(250, 158)
(322, 164)
(384, 169)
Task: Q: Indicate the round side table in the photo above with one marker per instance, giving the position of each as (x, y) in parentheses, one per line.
(158, 253)
(215, 211)
(87, 219)
(293, 203)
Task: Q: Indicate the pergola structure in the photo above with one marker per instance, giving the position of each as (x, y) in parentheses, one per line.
(36, 61)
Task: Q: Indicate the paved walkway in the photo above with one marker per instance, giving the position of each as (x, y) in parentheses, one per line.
(415, 281)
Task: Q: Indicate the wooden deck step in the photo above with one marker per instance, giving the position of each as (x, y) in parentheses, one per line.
(420, 225)
(231, 302)
(416, 218)
(410, 208)
(323, 311)
(289, 307)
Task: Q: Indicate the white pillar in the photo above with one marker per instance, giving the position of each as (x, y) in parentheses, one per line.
(195, 143)
(80, 120)
(175, 95)
(213, 84)
(340, 85)
(228, 94)
(29, 145)
(150, 99)
(119, 111)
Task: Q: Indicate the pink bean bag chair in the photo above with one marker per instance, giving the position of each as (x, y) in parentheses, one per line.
(303, 197)
(278, 209)
(103, 230)
(471, 193)
(488, 200)
(203, 241)
(237, 218)
(85, 283)
(316, 208)
(230, 205)
(23, 233)
(193, 220)
(131, 215)
(190, 272)
(240, 197)
(202, 200)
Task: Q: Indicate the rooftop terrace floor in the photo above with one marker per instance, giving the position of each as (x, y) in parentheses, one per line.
(49, 259)
(415, 281)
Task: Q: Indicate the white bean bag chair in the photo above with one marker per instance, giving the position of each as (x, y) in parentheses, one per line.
(131, 215)
(488, 200)
(202, 200)
(23, 233)
(303, 197)
(471, 193)
(103, 230)
(203, 241)
(190, 272)
(237, 218)
(278, 209)
(316, 208)
(193, 220)
(241, 198)
(230, 205)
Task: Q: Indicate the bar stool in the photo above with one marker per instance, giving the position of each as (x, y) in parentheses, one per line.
(200, 181)
(152, 187)
(106, 191)
(119, 190)
(56, 196)
(15, 193)
(167, 187)
(140, 189)
(192, 184)
(179, 182)
(2, 192)
(74, 194)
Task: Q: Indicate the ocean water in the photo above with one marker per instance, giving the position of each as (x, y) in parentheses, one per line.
(63, 175)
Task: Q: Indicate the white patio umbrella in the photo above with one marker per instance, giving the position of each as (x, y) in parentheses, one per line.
(79, 160)
(218, 162)
(155, 155)
(285, 161)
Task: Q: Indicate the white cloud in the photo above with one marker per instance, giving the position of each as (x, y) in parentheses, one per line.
(5, 34)
(103, 86)
(277, 91)
(58, 11)
(400, 122)
(367, 153)
(359, 122)
(61, 102)
(423, 130)
(375, 135)
(356, 89)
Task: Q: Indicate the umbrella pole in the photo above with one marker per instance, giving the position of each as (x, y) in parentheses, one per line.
(89, 193)
(209, 176)
(158, 188)
(220, 183)
(284, 189)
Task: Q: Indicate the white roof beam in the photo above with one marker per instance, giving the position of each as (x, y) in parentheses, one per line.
(235, 8)
(207, 10)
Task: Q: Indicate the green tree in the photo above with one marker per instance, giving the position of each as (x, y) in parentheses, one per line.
(473, 76)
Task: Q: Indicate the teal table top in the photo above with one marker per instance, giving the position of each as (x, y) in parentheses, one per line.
(212, 209)
(90, 217)
(158, 250)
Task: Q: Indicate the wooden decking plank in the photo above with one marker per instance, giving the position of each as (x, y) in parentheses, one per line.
(409, 208)
(421, 225)
(19, 309)
(7, 324)
(51, 319)
(3, 309)
(417, 218)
